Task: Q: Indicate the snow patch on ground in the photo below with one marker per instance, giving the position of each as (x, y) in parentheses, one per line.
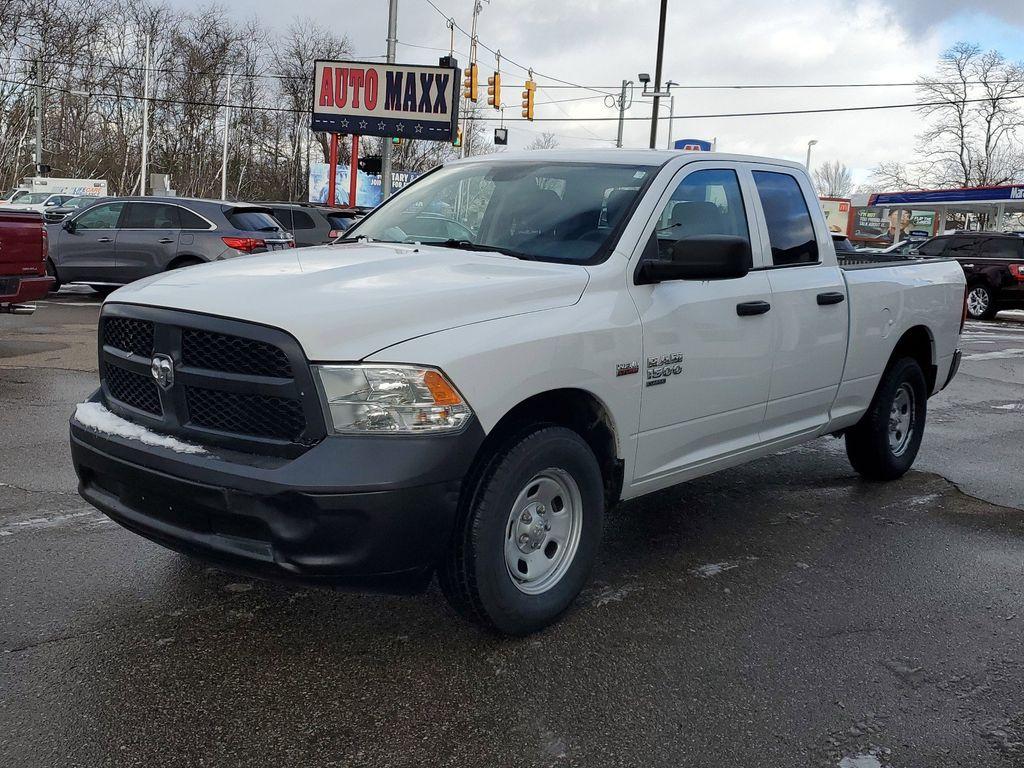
(865, 760)
(708, 570)
(95, 416)
(1010, 407)
(1000, 355)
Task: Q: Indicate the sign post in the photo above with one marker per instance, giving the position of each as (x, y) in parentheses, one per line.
(332, 196)
(353, 174)
(388, 100)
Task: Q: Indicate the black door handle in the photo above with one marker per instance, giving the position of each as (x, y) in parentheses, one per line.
(165, 240)
(104, 240)
(832, 297)
(748, 308)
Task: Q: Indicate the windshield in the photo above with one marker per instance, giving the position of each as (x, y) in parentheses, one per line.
(538, 210)
(35, 198)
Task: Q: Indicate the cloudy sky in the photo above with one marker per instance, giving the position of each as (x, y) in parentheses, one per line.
(714, 42)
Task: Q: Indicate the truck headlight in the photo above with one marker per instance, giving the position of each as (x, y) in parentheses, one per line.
(395, 399)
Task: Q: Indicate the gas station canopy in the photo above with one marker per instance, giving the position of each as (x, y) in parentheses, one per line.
(994, 201)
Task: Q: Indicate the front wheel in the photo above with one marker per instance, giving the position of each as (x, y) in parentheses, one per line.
(884, 443)
(529, 533)
(981, 303)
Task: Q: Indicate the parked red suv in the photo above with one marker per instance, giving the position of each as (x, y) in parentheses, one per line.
(23, 251)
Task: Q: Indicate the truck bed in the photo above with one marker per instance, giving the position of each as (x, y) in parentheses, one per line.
(867, 260)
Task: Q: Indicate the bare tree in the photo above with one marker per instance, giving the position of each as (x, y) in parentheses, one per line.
(971, 103)
(833, 179)
(546, 140)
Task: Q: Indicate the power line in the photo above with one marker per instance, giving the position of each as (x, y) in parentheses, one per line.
(448, 17)
(824, 110)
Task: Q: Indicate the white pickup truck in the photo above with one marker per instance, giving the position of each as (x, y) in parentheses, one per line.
(494, 357)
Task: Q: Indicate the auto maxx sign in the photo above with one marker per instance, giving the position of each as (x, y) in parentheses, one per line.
(404, 100)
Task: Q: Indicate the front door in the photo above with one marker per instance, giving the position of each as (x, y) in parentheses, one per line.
(707, 344)
(148, 239)
(809, 302)
(84, 249)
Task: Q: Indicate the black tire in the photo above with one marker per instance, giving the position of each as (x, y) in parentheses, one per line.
(187, 262)
(104, 290)
(474, 574)
(51, 270)
(868, 444)
(983, 306)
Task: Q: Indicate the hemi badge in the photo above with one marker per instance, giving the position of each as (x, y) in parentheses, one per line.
(627, 369)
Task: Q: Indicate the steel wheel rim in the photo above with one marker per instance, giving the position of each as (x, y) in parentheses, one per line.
(542, 534)
(978, 301)
(901, 420)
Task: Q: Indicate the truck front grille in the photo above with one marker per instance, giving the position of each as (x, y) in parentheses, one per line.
(234, 384)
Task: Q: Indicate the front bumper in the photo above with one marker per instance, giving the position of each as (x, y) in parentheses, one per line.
(367, 513)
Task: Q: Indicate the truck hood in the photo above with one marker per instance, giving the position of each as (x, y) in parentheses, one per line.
(344, 302)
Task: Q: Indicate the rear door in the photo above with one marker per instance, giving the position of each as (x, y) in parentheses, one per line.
(706, 344)
(808, 302)
(147, 240)
(83, 250)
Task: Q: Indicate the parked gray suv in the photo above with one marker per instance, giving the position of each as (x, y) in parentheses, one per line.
(123, 239)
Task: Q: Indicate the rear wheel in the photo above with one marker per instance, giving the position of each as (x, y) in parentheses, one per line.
(51, 270)
(981, 303)
(104, 290)
(884, 443)
(529, 533)
(186, 262)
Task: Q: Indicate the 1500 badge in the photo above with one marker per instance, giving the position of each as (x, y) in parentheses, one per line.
(659, 369)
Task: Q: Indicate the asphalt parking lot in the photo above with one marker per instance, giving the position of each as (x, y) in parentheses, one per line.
(781, 614)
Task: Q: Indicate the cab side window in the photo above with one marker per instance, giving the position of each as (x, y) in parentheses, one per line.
(100, 217)
(790, 229)
(934, 247)
(705, 203)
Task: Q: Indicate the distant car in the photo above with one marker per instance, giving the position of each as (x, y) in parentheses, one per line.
(11, 195)
(62, 211)
(312, 223)
(39, 201)
(993, 263)
(123, 239)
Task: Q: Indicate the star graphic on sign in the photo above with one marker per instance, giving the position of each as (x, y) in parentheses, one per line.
(400, 127)
(419, 128)
(344, 123)
(380, 125)
(362, 125)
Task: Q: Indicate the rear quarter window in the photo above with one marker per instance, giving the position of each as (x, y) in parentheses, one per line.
(253, 221)
(790, 229)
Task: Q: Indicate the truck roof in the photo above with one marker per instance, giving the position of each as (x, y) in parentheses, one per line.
(624, 157)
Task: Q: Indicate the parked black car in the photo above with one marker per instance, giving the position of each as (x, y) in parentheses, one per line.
(313, 224)
(993, 263)
(123, 239)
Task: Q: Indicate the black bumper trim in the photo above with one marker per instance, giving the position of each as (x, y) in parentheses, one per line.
(327, 518)
(954, 367)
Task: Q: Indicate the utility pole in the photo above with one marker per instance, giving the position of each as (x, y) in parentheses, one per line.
(466, 131)
(39, 114)
(145, 123)
(385, 155)
(657, 74)
(224, 157)
(622, 112)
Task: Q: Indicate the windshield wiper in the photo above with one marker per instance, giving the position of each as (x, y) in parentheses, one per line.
(469, 245)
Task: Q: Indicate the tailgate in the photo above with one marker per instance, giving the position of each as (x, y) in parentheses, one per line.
(22, 246)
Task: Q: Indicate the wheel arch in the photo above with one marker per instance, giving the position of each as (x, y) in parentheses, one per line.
(918, 343)
(184, 259)
(577, 409)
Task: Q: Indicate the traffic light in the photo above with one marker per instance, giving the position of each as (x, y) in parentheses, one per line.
(494, 90)
(457, 141)
(528, 94)
(370, 164)
(470, 87)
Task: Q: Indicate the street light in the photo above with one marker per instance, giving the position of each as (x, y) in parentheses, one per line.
(810, 144)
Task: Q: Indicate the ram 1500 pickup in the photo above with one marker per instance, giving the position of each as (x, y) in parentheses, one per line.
(23, 250)
(491, 359)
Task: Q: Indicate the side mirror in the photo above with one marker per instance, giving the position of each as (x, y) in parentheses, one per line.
(702, 257)
(68, 225)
